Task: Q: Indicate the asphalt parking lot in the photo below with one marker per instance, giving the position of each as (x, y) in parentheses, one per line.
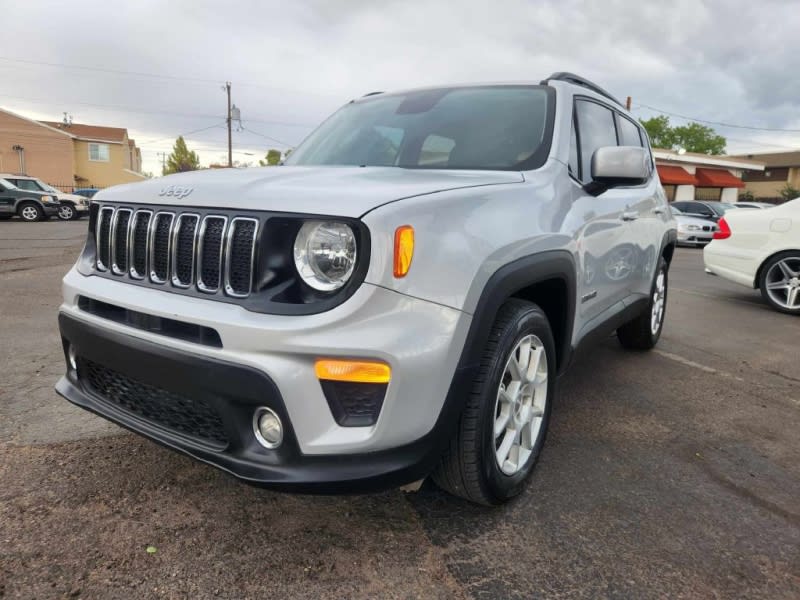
(673, 473)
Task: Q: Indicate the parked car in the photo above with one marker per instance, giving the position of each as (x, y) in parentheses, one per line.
(692, 231)
(703, 209)
(71, 206)
(753, 205)
(86, 192)
(761, 249)
(360, 319)
(29, 205)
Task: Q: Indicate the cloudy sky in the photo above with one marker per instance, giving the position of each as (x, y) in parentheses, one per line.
(157, 67)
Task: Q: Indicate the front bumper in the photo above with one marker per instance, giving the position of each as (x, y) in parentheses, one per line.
(50, 210)
(233, 392)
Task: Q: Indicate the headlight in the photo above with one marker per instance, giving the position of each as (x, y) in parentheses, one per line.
(325, 254)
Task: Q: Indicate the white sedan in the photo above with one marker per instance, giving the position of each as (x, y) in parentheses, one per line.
(760, 249)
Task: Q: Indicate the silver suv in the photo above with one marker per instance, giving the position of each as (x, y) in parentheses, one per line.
(395, 302)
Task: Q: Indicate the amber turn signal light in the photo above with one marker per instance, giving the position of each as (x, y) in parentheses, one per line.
(358, 371)
(403, 250)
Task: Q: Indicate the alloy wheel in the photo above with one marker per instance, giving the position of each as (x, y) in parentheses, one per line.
(30, 213)
(783, 283)
(659, 299)
(520, 405)
(65, 212)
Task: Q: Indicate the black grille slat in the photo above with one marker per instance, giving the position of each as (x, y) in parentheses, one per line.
(121, 241)
(192, 417)
(184, 250)
(139, 246)
(240, 256)
(104, 238)
(161, 239)
(211, 253)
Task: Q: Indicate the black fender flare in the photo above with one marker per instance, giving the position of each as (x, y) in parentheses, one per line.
(670, 239)
(511, 279)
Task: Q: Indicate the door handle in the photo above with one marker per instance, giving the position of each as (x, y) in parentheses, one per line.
(630, 215)
(658, 211)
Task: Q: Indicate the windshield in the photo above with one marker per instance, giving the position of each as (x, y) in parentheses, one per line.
(490, 127)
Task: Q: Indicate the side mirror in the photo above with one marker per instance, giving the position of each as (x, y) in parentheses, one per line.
(618, 165)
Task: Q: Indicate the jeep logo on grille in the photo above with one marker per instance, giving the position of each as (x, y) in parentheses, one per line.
(176, 191)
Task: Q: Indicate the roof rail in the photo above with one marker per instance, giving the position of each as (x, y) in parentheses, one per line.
(371, 94)
(578, 80)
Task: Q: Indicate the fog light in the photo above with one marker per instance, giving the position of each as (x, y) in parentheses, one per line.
(72, 357)
(268, 428)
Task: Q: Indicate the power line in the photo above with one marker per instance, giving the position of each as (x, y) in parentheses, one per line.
(152, 75)
(132, 109)
(150, 142)
(717, 123)
(272, 139)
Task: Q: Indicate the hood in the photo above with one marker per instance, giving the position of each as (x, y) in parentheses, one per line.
(65, 196)
(341, 191)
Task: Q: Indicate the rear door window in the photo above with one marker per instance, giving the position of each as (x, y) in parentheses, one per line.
(628, 132)
(596, 129)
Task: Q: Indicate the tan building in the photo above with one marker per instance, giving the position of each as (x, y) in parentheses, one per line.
(104, 156)
(780, 168)
(692, 176)
(27, 146)
(68, 156)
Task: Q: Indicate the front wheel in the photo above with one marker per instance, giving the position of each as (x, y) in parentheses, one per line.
(67, 212)
(502, 428)
(780, 282)
(643, 332)
(30, 211)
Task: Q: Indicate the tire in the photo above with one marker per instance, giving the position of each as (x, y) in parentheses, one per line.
(470, 467)
(30, 211)
(67, 212)
(779, 282)
(643, 332)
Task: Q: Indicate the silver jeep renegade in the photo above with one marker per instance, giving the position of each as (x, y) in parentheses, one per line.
(397, 301)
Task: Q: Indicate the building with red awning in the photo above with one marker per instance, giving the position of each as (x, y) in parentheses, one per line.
(692, 176)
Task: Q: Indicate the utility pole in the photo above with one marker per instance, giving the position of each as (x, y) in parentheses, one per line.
(628, 104)
(163, 156)
(230, 142)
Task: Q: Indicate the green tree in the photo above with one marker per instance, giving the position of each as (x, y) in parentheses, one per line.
(659, 131)
(692, 137)
(182, 159)
(789, 192)
(272, 158)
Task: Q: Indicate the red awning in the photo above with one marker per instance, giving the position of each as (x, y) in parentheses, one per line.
(717, 178)
(670, 175)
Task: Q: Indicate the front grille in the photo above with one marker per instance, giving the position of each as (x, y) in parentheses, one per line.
(241, 242)
(159, 247)
(119, 241)
(104, 238)
(194, 418)
(140, 231)
(212, 253)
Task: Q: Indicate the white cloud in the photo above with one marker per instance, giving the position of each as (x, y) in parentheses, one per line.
(291, 64)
